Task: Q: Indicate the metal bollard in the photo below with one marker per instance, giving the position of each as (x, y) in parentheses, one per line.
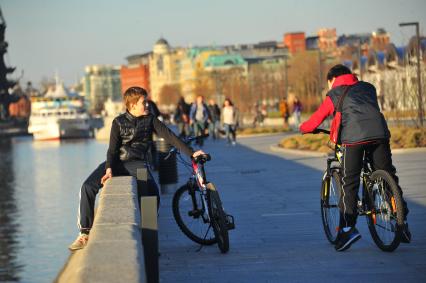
(167, 169)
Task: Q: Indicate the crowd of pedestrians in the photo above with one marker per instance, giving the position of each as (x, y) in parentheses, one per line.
(200, 118)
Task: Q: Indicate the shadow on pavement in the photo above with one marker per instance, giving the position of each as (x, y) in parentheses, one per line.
(279, 236)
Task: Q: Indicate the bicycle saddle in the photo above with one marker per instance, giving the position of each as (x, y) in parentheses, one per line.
(202, 158)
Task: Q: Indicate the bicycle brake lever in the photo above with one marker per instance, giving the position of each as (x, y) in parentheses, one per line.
(172, 151)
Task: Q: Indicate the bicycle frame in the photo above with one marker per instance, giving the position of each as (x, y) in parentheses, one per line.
(366, 172)
(199, 175)
(337, 158)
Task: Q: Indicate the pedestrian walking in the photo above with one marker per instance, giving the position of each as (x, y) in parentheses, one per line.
(214, 124)
(297, 112)
(181, 117)
(230, 121)
(284, 111)
(199, 118)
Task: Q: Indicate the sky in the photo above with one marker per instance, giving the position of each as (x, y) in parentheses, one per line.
(63, 36)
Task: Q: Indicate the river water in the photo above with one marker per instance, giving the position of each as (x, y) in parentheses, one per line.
(39, 188)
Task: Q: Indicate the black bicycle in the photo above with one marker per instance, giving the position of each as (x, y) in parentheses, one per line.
(197, 206)
(380, 201)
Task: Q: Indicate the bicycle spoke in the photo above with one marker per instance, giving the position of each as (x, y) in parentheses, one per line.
(193, 220)
(385, 220)
(330, 207)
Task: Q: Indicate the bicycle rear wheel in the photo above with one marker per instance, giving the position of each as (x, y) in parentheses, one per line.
(191, 215)
(218, 218)
(387, 211)
(331, 189)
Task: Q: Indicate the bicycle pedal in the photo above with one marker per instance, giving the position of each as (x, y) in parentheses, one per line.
(230, 224)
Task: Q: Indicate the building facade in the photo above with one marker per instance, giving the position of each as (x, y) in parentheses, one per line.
(295, 42)
(327, 40)
(165, 64)
(379, 39)
(134, 75)
(101, 82)
(193, 71)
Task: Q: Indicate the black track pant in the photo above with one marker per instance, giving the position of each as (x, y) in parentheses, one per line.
(352, 164)
(92, 185)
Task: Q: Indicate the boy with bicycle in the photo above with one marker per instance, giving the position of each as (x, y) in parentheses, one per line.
(363, 130)
(130, 140)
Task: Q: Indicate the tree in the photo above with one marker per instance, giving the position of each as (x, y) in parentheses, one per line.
(303, 78)
(169, 94)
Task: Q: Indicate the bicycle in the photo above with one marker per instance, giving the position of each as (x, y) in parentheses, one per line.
(197, 206)
(380, 201)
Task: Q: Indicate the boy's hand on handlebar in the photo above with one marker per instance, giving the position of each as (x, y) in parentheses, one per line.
(197, 153)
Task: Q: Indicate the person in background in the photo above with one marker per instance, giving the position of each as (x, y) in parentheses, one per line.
(263, 111)
(230, 118)
(130, 139)
(199, 118)
(283, 107)
(181, 117)
(153, 109)
(297, 112)
(258, 118)
(214, 124)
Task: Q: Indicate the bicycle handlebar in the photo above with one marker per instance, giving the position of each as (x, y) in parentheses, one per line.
(190, 139)
(320, 131)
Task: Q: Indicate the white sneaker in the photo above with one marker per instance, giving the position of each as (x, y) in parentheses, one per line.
(79, 243)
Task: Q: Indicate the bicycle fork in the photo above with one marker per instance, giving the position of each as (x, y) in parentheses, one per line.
(198, 211)
(364, 205)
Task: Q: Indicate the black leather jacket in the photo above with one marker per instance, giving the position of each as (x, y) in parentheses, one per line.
(131, 138)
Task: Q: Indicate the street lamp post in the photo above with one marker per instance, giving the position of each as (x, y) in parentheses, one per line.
(286, 76)
(360, 58)
(420, 98)
(319, 73)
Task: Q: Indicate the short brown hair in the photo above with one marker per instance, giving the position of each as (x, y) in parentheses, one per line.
(133, 94)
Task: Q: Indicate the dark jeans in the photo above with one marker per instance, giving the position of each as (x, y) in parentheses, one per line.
(92, 185)
(198, 128)
(381, 156)
(183, 129)
(230, 132)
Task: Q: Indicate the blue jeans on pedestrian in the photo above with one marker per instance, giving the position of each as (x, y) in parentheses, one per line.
(214, 129)
(230, 132)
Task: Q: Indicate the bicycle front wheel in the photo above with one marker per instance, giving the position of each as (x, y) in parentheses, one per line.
(218, 218)
(191, 215)
(386, 211)
(331, 189)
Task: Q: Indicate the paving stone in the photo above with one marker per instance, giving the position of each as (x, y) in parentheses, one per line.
(274, 198)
